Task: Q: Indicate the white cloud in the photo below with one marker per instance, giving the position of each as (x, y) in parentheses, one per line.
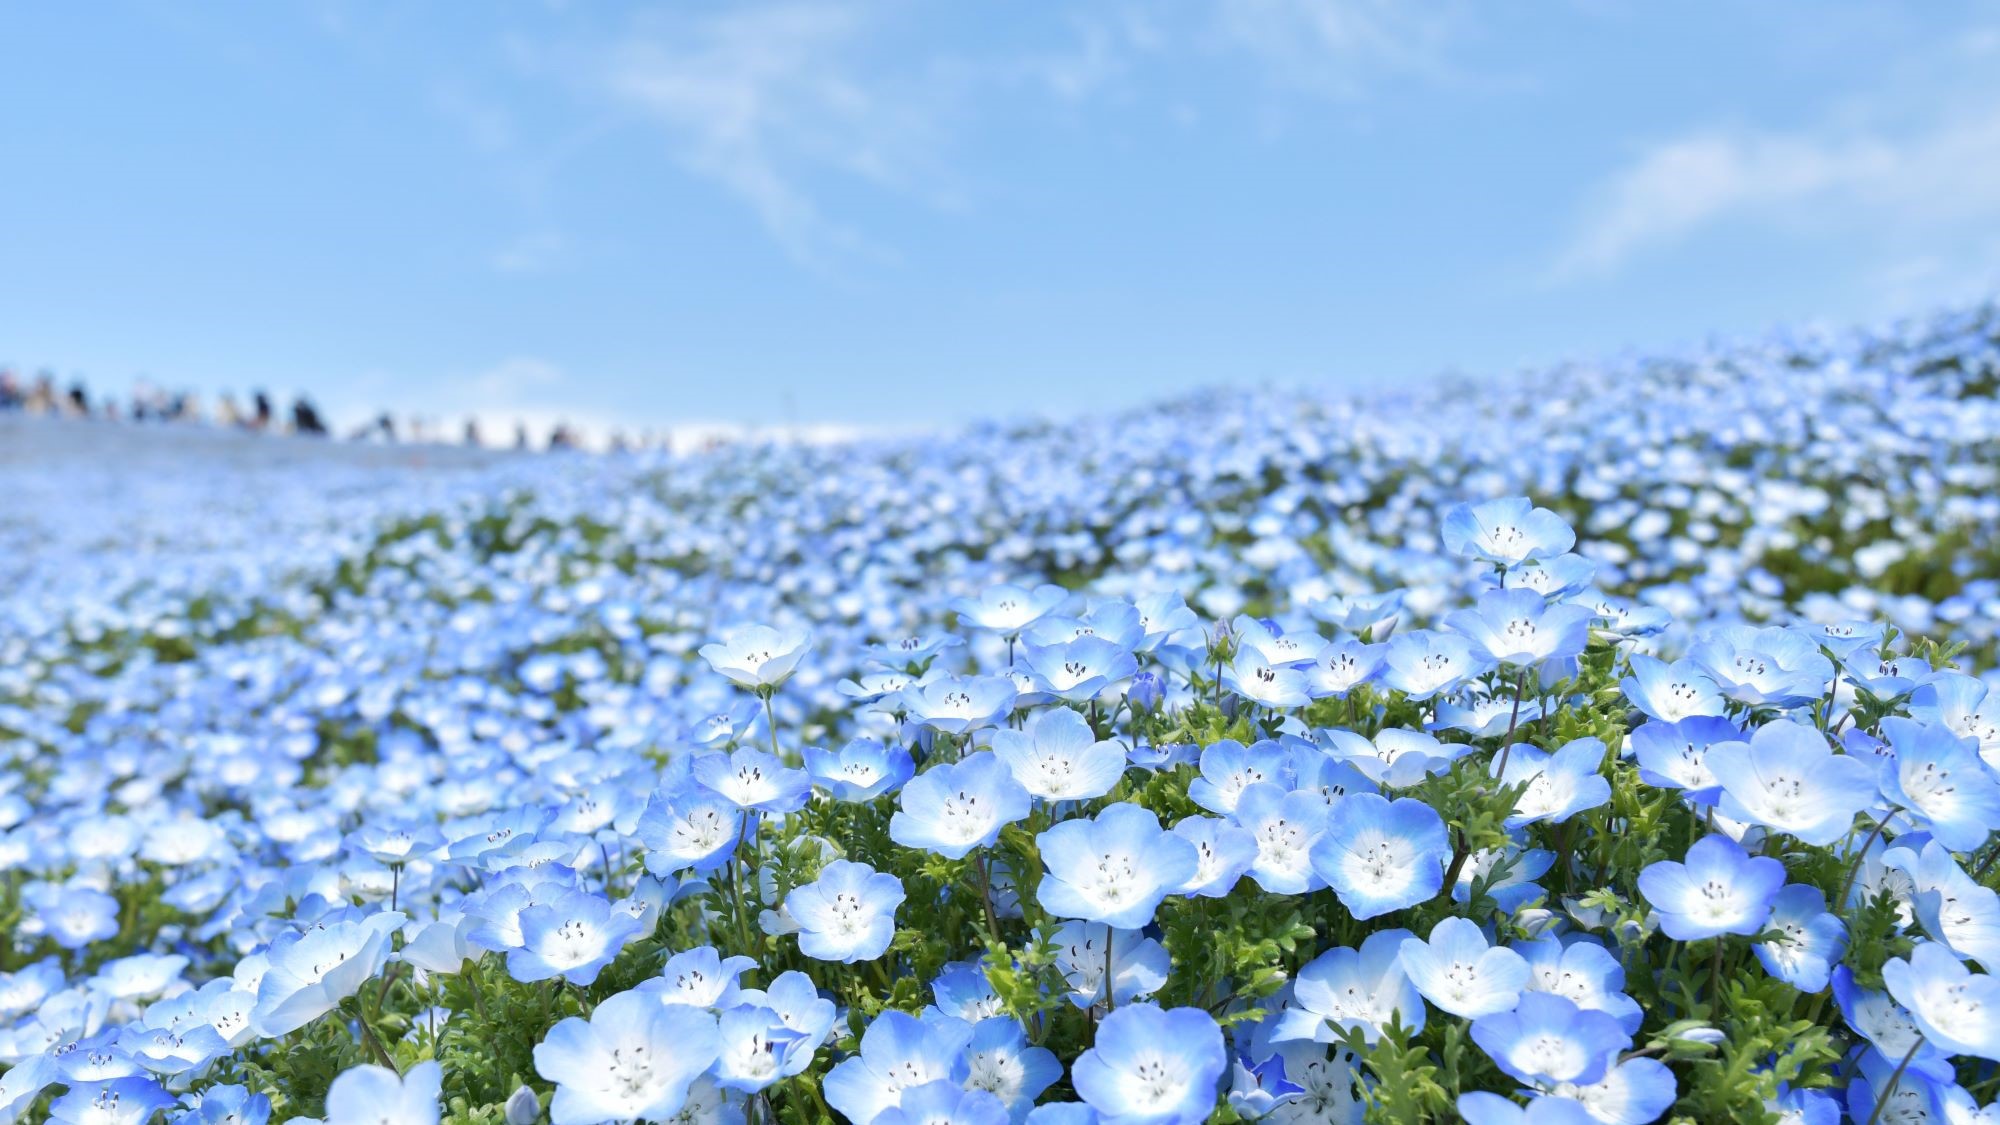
(1338, 47)
(759, 98)
(1916, 191)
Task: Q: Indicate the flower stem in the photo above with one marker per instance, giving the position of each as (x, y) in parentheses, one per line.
(1895, 1079)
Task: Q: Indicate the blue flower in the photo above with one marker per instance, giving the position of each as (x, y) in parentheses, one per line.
(758, 657)
(1008, 609)
(1812, 939)
(1424, 663)
(311, 973)
(754, 1048)
(1671, 692)
(848, 914)
(957, 704)
(699, 978)
(1345, 989)
(573, 937)
(1939, 776)
(1771, 667)
(1113, 869)
(753, 780)
(1674, 755)
(1788, 779)
(1057, 757)
(944, 1102)
(1481, 1108)
(1459, 971)
(1956, 1009)
(1719, 889)
(633, 1058)
(1228, 767)
(1520, 629)
(695, 829)
(1284, 825)
(862, 770)
(1152, 1066)
(1343, 666)
(1261, 682)
(953, 808)
(1224, 851)
(376, 1095)
(1000, 1061)
(1380, 855)
(1088, 954)
(898, 1052)
(1547, 1039)
(230, 1105)
(1559, 785)
(1953, 908)
(1080, 670)
(73, 917)
(1506, 532)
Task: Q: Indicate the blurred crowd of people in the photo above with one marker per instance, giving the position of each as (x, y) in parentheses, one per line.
(42, 396)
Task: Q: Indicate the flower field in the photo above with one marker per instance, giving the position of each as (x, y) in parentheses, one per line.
(1613, 743)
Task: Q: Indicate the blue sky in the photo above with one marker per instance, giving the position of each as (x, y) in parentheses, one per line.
(894, 213)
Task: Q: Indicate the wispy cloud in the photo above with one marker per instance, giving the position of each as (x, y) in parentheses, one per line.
(1340, 47)
(762, 99)
(1914, 187)
(530, 253)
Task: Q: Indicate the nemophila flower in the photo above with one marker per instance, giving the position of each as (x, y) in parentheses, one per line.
(1284, 824)
(376, 1095)
(1963, 705)
(1506, 532)
(1360, 613)
(1228, 767)
(1669, 693)
(1484, 716)
(862, 770)
(1547, 1039)
(1273, 644)
(1345, 989)
(1343, 666)
(1959, 1107)
(898, 1052)
(695, 829)
(1955, 1009)
(1080, 670)
(1812, 939)
(1796, 1106)
(230, 1105)
(310, 973)
(1000, 1061)
(957, 704)
(758, 657)
(945, 1103)
(1890, 678)
(953, 808)
(1396, 758)
(1255, 1087)
(753, 780)
(72, 917)
(1787, 779)
(1632, 1092)
(121, 1101)
(1556, 577)
(1261, 682)
(1769, 667)
(1624, 617)
(1114, 868)
(1461, 972)
(698, 978)
(912, 652)
(1521, 629)
(1952, 907)
(1151, 1065)
(1674, 755)
(1887, 1025)
(1938, 775)
(1719, 889)
(1057, 757)
(1559, 785)
(1090, 953)
(633, 1058)
(1313, 770)
(1062, 1113)
(753, 1048)
(962, 991)
(848, 914)
(1508, 875)
(1007, 609)
(794, 999)
(1224, 851)
(394, 843)
(1481, 1108)
(1425, 663)
(1582, 972)
(1380, 855)
(572, 937)
(1879, 1093)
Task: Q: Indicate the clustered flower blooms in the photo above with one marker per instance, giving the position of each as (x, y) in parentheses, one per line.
(1240, 767)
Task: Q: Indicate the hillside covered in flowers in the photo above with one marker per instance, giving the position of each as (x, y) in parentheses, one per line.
(1612, 743)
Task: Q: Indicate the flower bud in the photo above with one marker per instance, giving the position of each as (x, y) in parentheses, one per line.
(523, 1108)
